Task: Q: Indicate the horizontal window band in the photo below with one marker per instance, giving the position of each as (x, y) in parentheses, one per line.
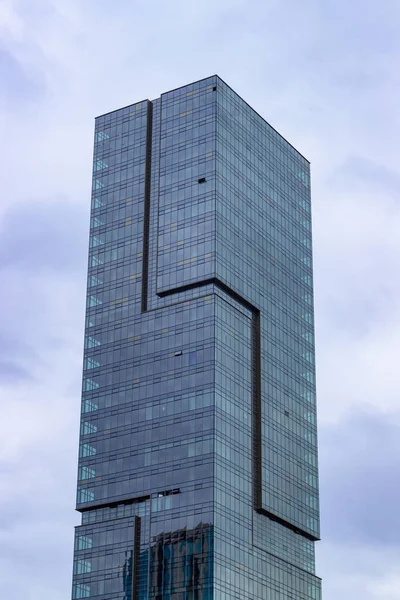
(212, 281)
(123, 502)
(287, 524)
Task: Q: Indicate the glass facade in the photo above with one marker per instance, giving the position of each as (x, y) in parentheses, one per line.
(197, 472)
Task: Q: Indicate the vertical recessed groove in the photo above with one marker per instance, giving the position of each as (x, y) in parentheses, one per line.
(157, 207)
(146, 210)
(256, 421)
(136, 557)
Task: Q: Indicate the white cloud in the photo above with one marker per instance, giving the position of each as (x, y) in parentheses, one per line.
(38, 446)
(10, 22)
(357, 250)
(352, 571)
(387, 587)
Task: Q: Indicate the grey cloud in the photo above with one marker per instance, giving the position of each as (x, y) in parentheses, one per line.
(37, 496)
(357, 571)
(362, 28)
(14, 356)
(12, 347)
(34, 540)
(360, 487)
(357, 218)
(44, 235)
(358, 171)
(12, 373)
(19, 85)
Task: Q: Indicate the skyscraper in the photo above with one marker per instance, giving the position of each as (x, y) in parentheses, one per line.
(198, 451)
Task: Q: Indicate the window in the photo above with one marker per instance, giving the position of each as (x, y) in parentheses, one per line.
(86, 473)
(90, 385)
(81, 591)
(88, 428)
(84, 543)
(83, 566)
(88, 406)
(86, 450)
(85, 496)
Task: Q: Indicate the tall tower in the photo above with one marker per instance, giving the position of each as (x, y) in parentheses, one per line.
(198, 471)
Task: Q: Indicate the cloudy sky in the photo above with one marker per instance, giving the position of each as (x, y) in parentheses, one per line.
(325, 74)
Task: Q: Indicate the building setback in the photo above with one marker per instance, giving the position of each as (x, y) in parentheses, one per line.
(198, 475)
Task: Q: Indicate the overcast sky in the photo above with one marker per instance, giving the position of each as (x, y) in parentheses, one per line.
(325, 73)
